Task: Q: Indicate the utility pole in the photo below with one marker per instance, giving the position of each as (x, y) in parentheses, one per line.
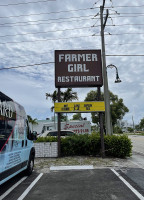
(106, 90)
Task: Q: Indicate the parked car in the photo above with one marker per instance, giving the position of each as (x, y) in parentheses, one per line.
(55, 133)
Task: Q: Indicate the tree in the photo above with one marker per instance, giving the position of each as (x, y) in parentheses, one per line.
(54, 98)
(141, 124)
(66, 96)
(117, 107)
(32, 121)
(77, 116)
(69, 95)
(130, 129)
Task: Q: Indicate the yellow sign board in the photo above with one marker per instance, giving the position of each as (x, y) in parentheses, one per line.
(74, 107)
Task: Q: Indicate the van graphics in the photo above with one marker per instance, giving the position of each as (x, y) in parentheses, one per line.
(7, 120)
(6, 109)
(13, 159)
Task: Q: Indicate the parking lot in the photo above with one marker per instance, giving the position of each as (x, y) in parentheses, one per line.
(106, 183)
(102, 179)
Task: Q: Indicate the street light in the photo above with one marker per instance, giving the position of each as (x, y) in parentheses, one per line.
(117, 76)
(107, 98)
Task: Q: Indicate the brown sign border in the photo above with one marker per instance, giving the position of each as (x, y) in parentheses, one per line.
(94, 67)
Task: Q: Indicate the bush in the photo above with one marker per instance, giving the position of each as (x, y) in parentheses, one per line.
(46, 139)
(118, 146)
(118, 130)
(90, 145)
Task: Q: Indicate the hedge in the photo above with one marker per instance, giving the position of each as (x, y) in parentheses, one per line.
(90, 145)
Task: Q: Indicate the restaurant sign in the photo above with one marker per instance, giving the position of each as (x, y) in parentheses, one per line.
(78, 68)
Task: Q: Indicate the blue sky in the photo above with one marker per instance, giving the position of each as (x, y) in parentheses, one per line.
(30, 32)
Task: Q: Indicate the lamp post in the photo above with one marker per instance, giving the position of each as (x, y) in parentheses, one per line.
(117, 76)
(108, 96)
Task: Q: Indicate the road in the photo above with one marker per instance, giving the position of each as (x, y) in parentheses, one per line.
(138, 143)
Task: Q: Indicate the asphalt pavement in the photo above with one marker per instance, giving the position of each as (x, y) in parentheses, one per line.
(95, 184)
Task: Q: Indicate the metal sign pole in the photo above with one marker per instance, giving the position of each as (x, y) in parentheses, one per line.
(101, 126)
(59, 127)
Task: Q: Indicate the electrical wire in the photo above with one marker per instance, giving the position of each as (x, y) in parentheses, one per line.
(83, 36)
(76, 28)
(47, 13)
(76, 20)
(36, 64)
(43, 32)
(23, 23)
(22, 3)
(126, 55)
(127, 16)
(126, 25)
(48, 20)
(2, 43)
(126, 44)
(125, 6)
(46, 63)
(111, 34)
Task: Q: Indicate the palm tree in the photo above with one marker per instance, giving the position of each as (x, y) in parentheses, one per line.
(54, 98)
(66, 96)
(32, 121)
(69, 95)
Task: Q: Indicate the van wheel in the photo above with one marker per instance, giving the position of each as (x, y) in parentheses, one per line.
(30, 166)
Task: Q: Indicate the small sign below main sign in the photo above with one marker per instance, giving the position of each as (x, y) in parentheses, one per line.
(78, 68)
(74, 107)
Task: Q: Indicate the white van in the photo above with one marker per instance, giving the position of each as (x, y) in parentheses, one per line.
(16, 146)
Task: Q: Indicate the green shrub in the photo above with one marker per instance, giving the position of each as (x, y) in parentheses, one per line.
(117, 130)
(90, 145)
(118, 146)
(47, 139)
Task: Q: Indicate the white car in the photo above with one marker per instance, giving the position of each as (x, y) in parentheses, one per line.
(55, 133)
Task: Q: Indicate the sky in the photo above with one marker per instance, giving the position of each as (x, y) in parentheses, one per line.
(31, 30)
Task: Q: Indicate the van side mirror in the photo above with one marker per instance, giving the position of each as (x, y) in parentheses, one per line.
(32, 135)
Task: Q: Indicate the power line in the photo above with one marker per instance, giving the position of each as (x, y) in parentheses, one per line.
(126, 25)
(127, 16)
(93, 17)
(83, 36)
(131, 13)
(47, 13)
(47, 20)
(43, 32)
(76, 28)
(1, 43)
(125, 6)
(126, 44)
(46, 63)
(22, 3)
(21, 22)
(126, 55)
(50, 22)
(111, 34)
(36, 64)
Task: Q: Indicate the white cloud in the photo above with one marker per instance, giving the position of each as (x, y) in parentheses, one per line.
(29, 85)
